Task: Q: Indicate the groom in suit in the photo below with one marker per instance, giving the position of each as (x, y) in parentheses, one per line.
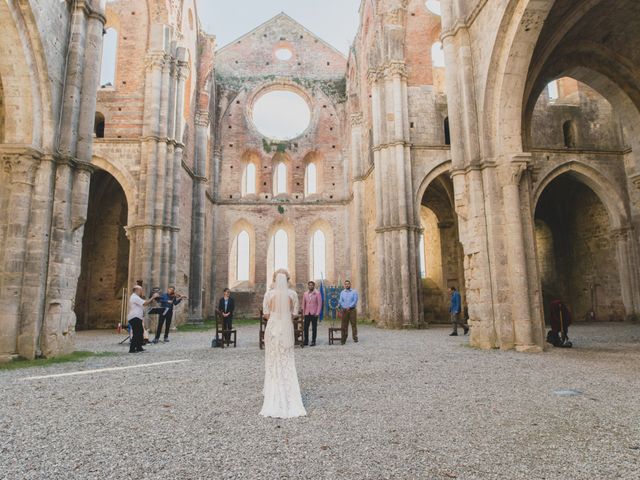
(226, 307)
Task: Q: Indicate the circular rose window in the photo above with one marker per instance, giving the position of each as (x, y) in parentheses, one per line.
(281, 114)
(284, 54)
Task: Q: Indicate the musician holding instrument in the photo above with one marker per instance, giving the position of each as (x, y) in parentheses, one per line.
(167, 301)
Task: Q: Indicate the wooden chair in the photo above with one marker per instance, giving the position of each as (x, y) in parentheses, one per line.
(263, 327)
(298, 330)
(221, 332)
(335, 333)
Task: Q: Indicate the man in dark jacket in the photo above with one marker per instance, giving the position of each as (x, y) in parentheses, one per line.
(560, 319)
(167, 301)
(226, 307)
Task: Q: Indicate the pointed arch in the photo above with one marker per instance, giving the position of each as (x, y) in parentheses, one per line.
(321, 251)
(242, 255)
(281, 250)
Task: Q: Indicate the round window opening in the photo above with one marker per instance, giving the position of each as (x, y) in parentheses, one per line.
(284, 54)
(281, 114)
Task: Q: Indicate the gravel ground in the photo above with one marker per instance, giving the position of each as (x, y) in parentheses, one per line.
(397, 405)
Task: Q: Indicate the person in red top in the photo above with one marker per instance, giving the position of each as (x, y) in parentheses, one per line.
(311, 308)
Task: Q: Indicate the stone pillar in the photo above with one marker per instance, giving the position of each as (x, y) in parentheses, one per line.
(397, 229)
(359, 257)
(196, 282)
(181, 75)
(73, 172)
(523, 329)
(20, 170)
(628, 266)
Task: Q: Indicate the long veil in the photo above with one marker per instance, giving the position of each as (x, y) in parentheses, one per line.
(282, 397)
(281, 301)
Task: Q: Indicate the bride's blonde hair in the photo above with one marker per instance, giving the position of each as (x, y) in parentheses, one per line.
(283, 271)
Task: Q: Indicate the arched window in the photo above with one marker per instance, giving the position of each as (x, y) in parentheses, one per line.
(98, 126)
(243, 256)
(311, 180)
(249, 180)
(437, 55)
(109, 53)
(552, 89)
(569, 133)
(319, 255)
(280, 250)
(433, 6)
(280, 179)
(447, 132)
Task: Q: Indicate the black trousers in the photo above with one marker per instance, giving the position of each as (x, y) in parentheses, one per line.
(166, 319)
(313, 320)
(226, 325)
(136, 336)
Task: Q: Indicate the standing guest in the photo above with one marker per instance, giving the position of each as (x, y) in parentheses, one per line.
(167, 302)
(311, 308)
(226, 307)
(136, 313)
(455, 308)
(348, 303)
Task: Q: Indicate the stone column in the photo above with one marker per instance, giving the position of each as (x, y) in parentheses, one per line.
(628, 269)
(73, 172)
(181, 75)
(522, 320)
(359, 222)
(20, 170)
(196, 282)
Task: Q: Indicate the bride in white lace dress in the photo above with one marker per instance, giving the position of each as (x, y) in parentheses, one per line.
(282, 397)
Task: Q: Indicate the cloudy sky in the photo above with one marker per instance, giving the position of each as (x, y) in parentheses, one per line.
(335, 21)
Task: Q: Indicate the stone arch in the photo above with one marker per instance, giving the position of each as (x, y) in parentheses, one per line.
(443, 168)
(281, 158)
(317, 159)
(440, 252)
(581, 253)
(623, 104)
(323, 226)
(285, 225)
(604, 189)
(250, 157)
(239, 226)
(105, 255)
(24, 77)
(518, 34)
(124, 178)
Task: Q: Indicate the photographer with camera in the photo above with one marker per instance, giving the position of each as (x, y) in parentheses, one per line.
(135, 316)
(167, 302)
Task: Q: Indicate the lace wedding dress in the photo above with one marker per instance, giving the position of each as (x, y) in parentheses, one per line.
(282, 397)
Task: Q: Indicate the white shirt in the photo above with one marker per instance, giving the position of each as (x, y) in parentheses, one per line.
(136, 307)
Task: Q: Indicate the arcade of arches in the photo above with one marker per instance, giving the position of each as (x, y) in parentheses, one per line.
(491, 146)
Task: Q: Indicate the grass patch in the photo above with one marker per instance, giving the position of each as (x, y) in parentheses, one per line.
(45, 362)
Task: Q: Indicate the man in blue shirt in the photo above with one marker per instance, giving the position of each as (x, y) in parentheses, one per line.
(167, 302)
(455, 310)
(348, 303)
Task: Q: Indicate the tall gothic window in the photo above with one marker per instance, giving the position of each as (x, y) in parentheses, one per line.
(280, 179)
(311, 180)
(109, 54)
(552, 89)
(437, 55)
(319, 255)
(569, 133)
(280, 250)
(249, 180)
(243, 256)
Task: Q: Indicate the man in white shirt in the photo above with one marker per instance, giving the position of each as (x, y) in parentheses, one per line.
(135, 316)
